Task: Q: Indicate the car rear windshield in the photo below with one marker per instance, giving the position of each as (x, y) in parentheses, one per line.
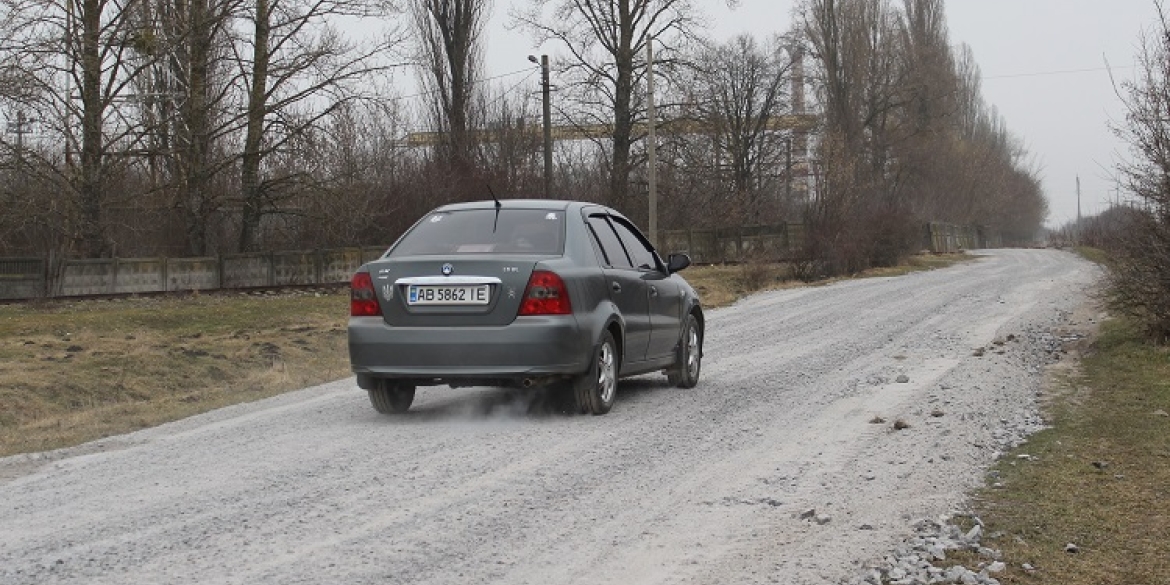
(485, 231)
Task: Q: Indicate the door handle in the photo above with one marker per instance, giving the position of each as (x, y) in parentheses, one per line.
(617, 288)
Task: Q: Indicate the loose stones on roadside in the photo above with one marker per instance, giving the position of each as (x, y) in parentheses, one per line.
(912, 564)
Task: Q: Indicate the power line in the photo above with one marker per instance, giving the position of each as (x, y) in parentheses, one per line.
(476, 82)
(1058, 72)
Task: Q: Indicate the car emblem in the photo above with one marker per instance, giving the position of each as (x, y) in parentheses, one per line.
(448, 269)
(387, 291)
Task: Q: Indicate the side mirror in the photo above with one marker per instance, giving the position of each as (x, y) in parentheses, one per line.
(677, 262)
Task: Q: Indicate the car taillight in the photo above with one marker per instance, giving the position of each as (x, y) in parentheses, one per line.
(545, 295)
(363, 301)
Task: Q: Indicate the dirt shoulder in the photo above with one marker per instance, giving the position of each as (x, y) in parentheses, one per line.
(1083, 502)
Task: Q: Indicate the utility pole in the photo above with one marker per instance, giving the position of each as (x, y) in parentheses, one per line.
(652, 145)
(545, 95)
(20, 128)
(1079, 227)
(1078, 201)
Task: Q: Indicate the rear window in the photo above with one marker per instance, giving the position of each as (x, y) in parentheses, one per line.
(485, 231)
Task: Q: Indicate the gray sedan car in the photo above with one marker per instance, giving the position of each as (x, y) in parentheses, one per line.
(522, 293)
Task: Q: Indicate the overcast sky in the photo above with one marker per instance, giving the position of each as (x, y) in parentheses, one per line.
(1033, 55)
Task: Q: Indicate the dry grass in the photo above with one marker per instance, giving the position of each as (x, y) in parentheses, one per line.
(1100, 478)
(919, 263)
(722, 285)
(75, 371)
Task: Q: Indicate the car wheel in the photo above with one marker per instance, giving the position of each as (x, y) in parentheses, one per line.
(391, 397)
(689, 358)
(594, 391)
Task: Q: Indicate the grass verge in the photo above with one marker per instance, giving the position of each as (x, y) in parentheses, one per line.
(1099, 478)
(75, 371)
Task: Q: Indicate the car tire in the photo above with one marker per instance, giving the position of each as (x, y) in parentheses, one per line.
(688, 356)
(594, 391)
(391, 397)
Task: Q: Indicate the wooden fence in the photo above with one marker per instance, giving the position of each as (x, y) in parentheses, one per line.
(30, 278)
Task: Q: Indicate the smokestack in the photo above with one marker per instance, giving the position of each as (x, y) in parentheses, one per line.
(796, 51)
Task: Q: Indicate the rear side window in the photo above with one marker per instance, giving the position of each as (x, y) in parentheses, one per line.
(609, 243)
(485, 231)
(640, 253)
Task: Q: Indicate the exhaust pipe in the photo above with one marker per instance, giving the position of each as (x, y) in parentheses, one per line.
(537, 381)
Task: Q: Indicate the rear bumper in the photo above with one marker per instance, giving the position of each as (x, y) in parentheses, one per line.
(529, 347)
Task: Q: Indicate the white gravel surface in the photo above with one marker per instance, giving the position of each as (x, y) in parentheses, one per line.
(694, 486)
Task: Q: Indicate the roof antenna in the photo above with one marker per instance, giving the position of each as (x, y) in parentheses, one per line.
(495, 224)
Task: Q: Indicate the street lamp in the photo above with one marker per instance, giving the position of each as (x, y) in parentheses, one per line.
(547, 123)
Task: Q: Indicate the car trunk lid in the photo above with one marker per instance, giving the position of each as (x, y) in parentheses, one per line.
(436, 292)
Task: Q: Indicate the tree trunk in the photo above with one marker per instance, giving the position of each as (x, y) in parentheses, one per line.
(193, 131)
(93, 240)
(623, 115)
(253, 208)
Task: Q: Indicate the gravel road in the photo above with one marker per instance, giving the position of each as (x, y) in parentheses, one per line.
(697, 486)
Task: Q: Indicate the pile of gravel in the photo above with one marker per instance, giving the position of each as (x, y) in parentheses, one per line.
(913, 563)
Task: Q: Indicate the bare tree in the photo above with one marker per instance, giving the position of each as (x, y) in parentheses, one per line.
(511, 152)
(362, 166)
(297, 68)
(450, 49)
(606, 45)
(191, 109)
(741, 96)
(856, 220)
(1141, 271)
(74, 61)
(907, 137)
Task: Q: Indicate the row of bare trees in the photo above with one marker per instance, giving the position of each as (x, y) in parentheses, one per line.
(187, 113)
(1136, 232)
(906, 135)
(213, 126)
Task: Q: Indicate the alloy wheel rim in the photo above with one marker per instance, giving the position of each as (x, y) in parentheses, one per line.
(606, 374)
(692, 352)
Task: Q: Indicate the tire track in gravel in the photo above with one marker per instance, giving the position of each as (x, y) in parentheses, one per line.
(697, 486)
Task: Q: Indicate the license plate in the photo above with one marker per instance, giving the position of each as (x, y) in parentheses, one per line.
(420, 294)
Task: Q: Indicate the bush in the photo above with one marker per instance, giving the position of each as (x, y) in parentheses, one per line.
(1140, 273)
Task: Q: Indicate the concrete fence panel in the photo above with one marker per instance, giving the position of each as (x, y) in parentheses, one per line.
(246, 270)
(339, 265)
(369, 254)
(947, 238)
(25, 278)
(139, 275)
(86, 277)
(707, 246)
(21, 278)
(294, 268)
(675, 241)
(184, 274)
(797, 240)
(773, 242)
